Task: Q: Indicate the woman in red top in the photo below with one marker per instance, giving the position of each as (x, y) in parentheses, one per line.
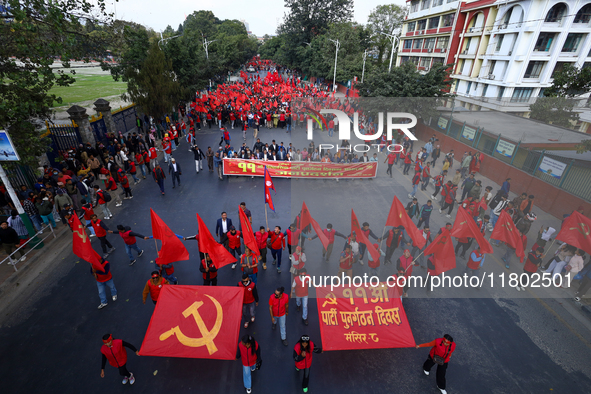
(441, 351)
(302, 354)
(250, 354)
(113, 351)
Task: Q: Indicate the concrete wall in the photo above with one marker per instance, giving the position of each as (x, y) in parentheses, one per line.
(551, 199)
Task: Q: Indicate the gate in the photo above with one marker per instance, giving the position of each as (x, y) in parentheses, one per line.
(63, 138)
(99, 128)
(124, 119)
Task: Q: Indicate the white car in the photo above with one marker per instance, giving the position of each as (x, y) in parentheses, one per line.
(251, 69)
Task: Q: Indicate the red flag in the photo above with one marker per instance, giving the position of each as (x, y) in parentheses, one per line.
(172, 248)
(442, 248)
(576, 231)
(506, 231)
(465, 226)
(218, 254)
(307, 219)
(361, 238)
(247, 234)
(195, 322)
(81, 245)
(398, 217)
(268, 186)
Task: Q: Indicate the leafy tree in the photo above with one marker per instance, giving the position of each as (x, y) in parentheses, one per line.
(154, 88)
(584, 146)
(180, 29)
(33, 35)
(386, 19)
(554, 110)
(407, 89)
(168, 32)
(571, 81)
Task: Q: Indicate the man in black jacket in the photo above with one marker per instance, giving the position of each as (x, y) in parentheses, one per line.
(10, 241)
(174, 168)
(198, 158)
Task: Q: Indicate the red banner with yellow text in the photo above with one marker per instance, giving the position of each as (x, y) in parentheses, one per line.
(195, 322)
(300, 169)
(362, 318)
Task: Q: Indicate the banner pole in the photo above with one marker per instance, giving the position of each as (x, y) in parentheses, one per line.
(266, 220)
(382, 237)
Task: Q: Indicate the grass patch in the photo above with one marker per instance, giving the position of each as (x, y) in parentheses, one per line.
(88, 87)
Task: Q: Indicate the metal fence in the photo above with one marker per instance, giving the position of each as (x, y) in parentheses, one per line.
(571, 175)
(21, 175)
(99, 128)
(63, 138)
(124, 118)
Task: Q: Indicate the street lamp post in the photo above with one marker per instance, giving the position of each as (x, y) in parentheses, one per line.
(334, 79)
(162, 39)
(363, 71)
(393, 39)
(206, 45)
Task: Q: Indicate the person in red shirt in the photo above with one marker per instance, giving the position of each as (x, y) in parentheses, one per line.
(464, 243)
(153, 157)
(346, 262)
(330, 234)
(438, 183)
(261, 237)
(426, 175)
(128, 237)
(112, 187)
(249, 353)
(440, 354)
(302, 355)
(153, 287)
(232, 119)
(276, 243)
(407, 162)
(416, 179)
(279, 309)
(124, 184)
(300, 285)
(391, 158)
(330, 127)
(209, 270)
(88, 214)
(249, 264)
(100, 229)
(250, 300)
(113, 351)
(404, 268)
(293, 237)
(533, 262)
(140, 159)
(104, 279)
(167, 148)
(234, 243)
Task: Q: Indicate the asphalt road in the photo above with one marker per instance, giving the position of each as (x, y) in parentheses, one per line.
(505, 344)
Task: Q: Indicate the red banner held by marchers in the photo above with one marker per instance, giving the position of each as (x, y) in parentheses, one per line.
(81, 245)
(249, 239)
(195, 322)
(216, 251)
(307, 219)
(442, 248)
(465, 226)
(362, 318)
(506, 231)
(172, 248)
(576, 231)
(362, 238)
(398, 217)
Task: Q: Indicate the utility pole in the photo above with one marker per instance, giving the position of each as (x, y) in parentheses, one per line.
(336, 55)
(206, 45)
(363, 72)
(393, 39)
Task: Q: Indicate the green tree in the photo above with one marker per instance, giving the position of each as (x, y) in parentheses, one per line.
(388, 19)
(33, 35)
(554, 110)
(584, 146)
(154, 89)
(571, 81)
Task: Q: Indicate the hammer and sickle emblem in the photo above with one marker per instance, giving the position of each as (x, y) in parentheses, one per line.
(330, 299)
(355, 223)
(81, 233)
(464, 222)
(583, 229)
(443, 240)
(207, 336)
(507, 227)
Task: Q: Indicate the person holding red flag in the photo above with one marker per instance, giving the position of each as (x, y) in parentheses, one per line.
(104, 279)
(475, 261)
(113, 351)
(276, 243)
(153, 287)
(234, 243)
(251, 299)
(302, 354)
(404, 268)
(261, 237)
(440, 354)
(330, 234)
(209, 270)
(249, 264)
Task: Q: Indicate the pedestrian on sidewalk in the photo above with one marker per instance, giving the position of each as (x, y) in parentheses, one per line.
(457, 178)
(302, 355)
(250, 354)
(466, 164)
(250, 300)
(130, 241)
(174, 168)
(159, 177)
(100, 229)
(104, 279)
(113, 351)
(209, 271)
(435, 155)
(153, 287)
(279, 309)
(10, 240)
(440, 354)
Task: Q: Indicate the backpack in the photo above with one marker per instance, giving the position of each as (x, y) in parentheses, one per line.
(106, 196)
(495, 200)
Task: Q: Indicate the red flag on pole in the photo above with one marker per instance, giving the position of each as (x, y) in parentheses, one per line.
(268, 186)
(218, 254)
(398, 217)
(307, 219)
(247, 234)
(375, 255)
(81, 245)
(506, 231)
(172, 248)
(465, 226)
(576, 231)
(442, 248)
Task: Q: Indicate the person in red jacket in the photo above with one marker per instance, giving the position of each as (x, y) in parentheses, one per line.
(113, 351)
(277, 245)
(124, 184)
(330, 234)
(441, 351)
(279, 309)
(209, 270)
(128, 237)
(112, 187)
(153, 157)
(261, 238)
(133, 172)
(438, 183)
(140, 159)
(234, 243)
(88, 213)
(293, 238)
(450, 199)
(250, 300)
(153, 287)
(300, 285)
(404, 268)
(100, 229)
(249, 353)
(249, 264)
(104, 279)
(100, 201)
(407, 162)
(475, 261)
(167, 148)
(302, 355)
(416, 179)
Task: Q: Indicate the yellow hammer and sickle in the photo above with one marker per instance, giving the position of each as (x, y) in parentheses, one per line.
(584, 229)
(82, 234)
(330, 299)
(464, 222)
(207, 336)
(507, 227)
(443, 240)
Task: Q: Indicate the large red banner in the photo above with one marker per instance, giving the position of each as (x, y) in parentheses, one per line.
(195, 322)
(300, 169)
(362, 318)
